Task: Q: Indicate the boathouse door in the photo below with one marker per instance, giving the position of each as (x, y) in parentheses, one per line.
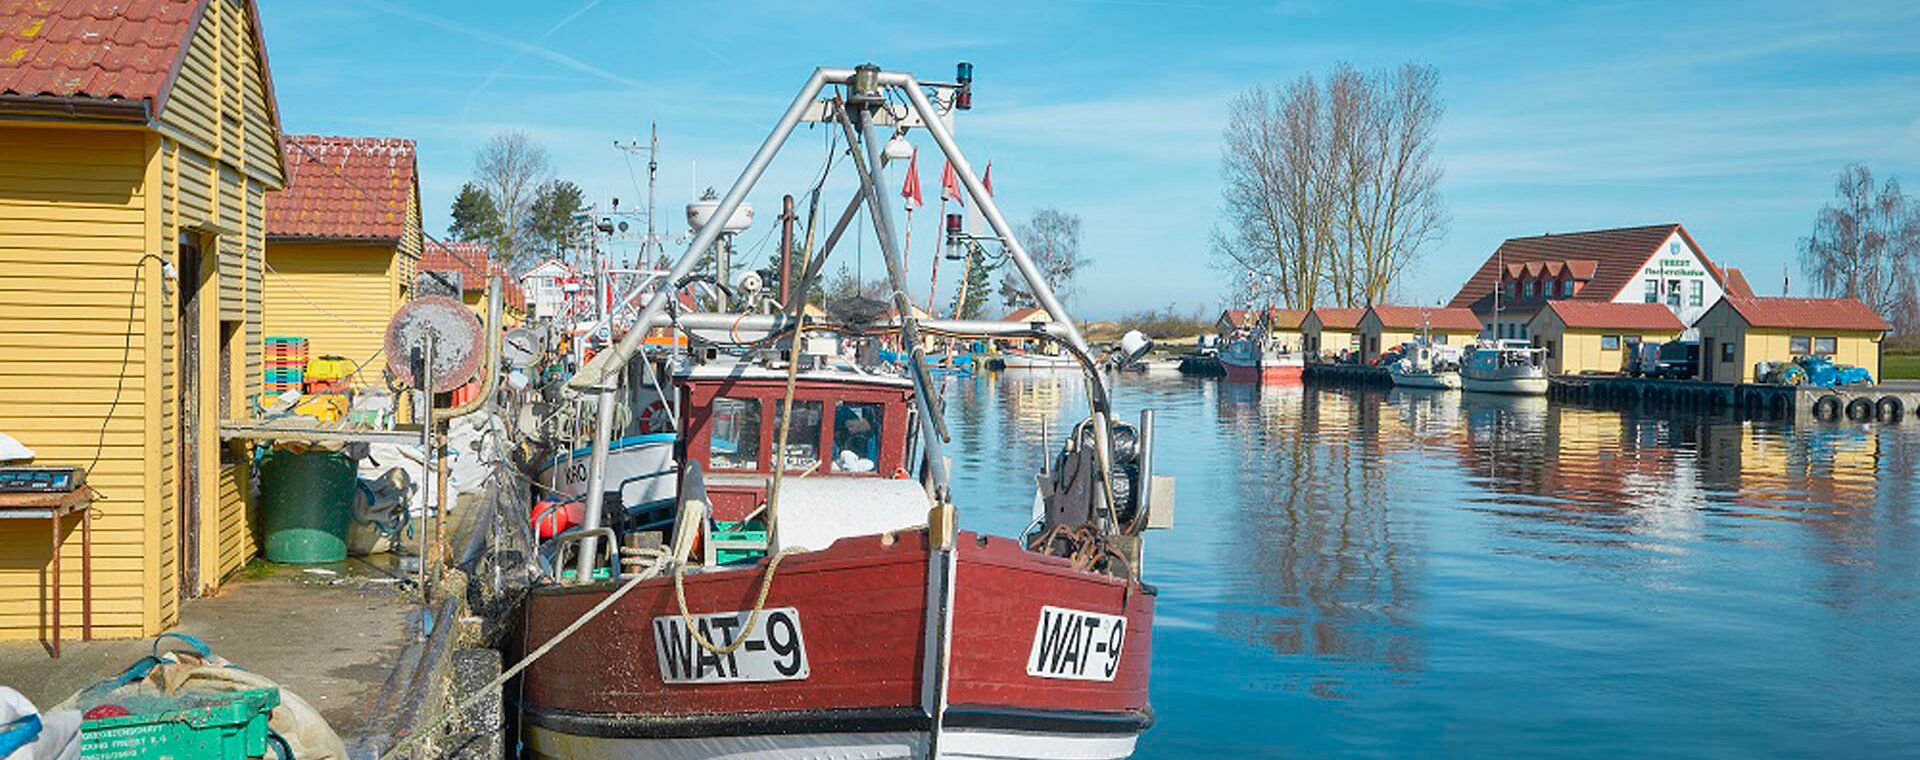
(1706, 359)
(187, 390)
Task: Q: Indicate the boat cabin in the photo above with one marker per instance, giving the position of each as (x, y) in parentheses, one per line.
(846, 423)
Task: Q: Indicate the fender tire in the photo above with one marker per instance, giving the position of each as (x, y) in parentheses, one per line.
(1827, 408)
(1889, 410)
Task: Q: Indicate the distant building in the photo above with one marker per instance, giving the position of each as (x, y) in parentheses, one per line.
(1596, 337)
(343, 240)
(1329, 330)
(545, 288)
(1659, 264)
(1383, 327)
(1283, 325)
(1231, 320)
(1739, 332)
(468, 265)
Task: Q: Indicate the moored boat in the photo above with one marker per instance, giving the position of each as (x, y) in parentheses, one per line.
(1033, 360)
(1511, 367)
(1248, 359)
(1426, 366)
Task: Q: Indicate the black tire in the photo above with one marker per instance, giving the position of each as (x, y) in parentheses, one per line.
(1860, 410)
(1889, 410)
(1827, 408)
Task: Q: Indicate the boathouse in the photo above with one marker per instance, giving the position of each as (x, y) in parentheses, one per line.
(343, 240)
(1585, 337)
(1326, 331)
(1383, 327)
(1739, 332)
(471, 264)
(545, 286)
(136, 151)
(1659, 264)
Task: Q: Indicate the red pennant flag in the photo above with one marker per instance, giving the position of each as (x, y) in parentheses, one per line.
(911, 190)
(986, 178)
(950, 185)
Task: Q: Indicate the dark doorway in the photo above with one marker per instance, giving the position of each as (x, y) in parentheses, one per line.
(187, 473)
(1706, 359)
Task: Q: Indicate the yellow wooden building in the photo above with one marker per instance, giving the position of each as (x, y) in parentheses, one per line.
(1739, 332)
(1595, 337)
(136, 152)
(1326, 331)
(343, 242)
(1383, 327)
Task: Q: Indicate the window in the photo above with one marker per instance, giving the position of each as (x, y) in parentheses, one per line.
(1609, 342)
(1566, 288)
(1673, 294)
(1513, 288)
(1630, 340)
(1826, 346)
(1799, 345)
(1697, 294)
(1440, 339)
(735, 442)
(856, 437)
(803, 439)
(1653, 291)
(1726, 353)
(1528, 290)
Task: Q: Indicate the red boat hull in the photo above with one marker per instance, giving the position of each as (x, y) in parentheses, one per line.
(1285, 373)
(863, 605)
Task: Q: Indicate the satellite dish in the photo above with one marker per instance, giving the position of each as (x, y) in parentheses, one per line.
(699, 213)
(457, 341)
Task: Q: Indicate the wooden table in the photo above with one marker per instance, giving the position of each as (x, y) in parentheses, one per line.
(55, 508)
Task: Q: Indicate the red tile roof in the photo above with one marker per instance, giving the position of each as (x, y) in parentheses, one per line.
(344, 187)
(1029, 314)
(1285, 319)
(1235, 317)
(1736, 284)
(1419, 317)
(471, 259)
(1339, 318)
(1595, 315)
(1617, 255)
(1807, 313)
(92, 49)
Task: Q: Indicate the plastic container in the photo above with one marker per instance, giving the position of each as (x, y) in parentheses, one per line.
(233, 726)
(328, 368)
(306, 504)
(748, 542)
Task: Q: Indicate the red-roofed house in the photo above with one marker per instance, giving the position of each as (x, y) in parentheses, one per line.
(1329, 330)
(1739, 332)
(139, 140)
(343, 239)
(1653, 264)
(1584, 337)
(1383, 327)
(472, 264)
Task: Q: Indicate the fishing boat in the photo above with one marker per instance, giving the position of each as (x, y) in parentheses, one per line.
(1248, 358)
(1426, 366)
(1512, 367)
(810, 595)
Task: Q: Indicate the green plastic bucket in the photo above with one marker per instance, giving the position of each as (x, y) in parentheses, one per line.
(306, 504)
(224, 727)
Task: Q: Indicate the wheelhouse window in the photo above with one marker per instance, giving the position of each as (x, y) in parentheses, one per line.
(856, 436)
(1609, 342)
(735, 442)
(1799, 345)
(1827, 346)
(803, 438)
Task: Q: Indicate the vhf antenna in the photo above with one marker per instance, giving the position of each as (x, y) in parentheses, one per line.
(652, 151)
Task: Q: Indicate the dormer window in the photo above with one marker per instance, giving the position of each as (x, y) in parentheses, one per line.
(1566, 288)
(1528, 290)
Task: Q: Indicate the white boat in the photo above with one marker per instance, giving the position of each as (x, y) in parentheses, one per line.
(1512, 367)
(1426, 366)
(1025, 360)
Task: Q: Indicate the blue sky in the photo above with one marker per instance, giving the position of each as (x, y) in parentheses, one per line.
(1729, 118)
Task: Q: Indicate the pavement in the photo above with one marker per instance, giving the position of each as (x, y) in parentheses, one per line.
(333, 637)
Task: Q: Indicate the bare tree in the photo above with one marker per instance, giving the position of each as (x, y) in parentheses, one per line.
(1331, 190)
(1866, 245)
(511, 168)
(1052, 238)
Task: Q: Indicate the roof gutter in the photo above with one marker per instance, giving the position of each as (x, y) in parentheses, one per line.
(74, 108)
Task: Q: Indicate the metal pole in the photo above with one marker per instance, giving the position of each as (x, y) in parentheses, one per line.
(603, 373)
(786, 248)
(871, 178)
(426, 458)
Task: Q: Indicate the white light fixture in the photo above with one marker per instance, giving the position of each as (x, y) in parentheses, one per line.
(898, 149)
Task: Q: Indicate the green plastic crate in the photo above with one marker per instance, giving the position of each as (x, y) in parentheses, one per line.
(233, 728)
(738, 541)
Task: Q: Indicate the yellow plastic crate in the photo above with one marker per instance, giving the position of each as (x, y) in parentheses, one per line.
(329, 368)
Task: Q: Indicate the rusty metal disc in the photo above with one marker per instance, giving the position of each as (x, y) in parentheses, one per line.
(457, 338)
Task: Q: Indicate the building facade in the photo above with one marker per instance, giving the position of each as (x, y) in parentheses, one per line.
(1740, 332)
(1594, 338)
(1657, 264)
(136, 152)
(343, 243)
(1327, 331)
(545, 288)
(1384, 327)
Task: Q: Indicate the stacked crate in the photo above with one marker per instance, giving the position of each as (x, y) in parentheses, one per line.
(286, 364)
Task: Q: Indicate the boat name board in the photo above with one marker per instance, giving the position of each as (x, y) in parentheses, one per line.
(1076, 645)
(774, 651)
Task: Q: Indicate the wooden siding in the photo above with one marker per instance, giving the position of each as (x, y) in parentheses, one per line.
(75, 373)
(338, 296)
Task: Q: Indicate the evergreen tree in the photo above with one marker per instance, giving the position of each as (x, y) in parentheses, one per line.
(974, 291)
(475, 217)
(552, 226)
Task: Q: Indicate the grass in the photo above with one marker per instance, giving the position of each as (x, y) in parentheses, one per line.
(1900, 367)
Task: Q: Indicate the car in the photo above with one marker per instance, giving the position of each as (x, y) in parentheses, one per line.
(1678, 359)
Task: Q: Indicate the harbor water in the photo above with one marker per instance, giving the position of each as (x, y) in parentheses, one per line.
(1393, 573)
